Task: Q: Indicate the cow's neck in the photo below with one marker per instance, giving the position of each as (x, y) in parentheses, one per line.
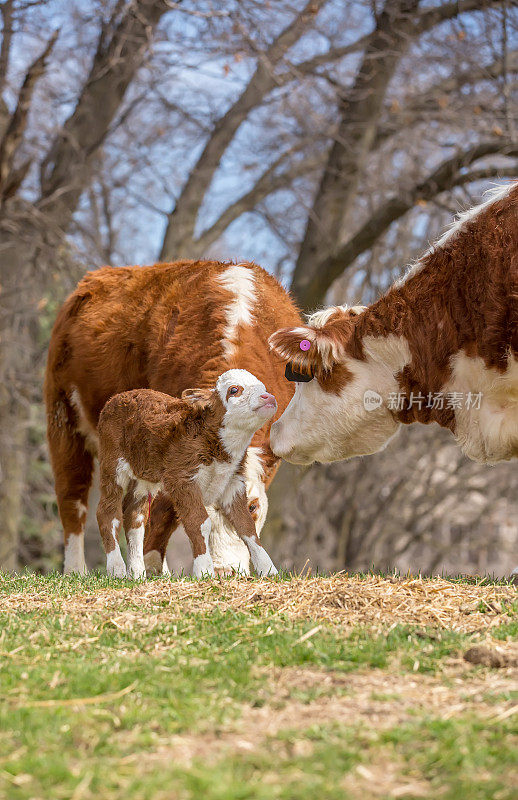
(420, 324)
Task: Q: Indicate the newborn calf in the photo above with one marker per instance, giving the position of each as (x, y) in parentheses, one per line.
(193, 449)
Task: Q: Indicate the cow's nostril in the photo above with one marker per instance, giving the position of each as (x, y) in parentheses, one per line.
(265, 397)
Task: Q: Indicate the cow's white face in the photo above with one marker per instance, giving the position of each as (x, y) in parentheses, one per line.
(317, 426)
(344, 410)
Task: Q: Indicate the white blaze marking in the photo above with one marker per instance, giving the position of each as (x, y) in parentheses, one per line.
(74, 554)
(203, 564)
(302, 432)
(239, 280)
(262, 562)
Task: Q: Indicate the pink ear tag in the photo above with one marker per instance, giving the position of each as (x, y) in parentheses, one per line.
(305, 344)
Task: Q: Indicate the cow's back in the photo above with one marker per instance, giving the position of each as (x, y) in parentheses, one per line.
(167, 327)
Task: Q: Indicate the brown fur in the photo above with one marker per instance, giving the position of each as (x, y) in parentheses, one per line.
(164, 440)
(158, 327)
(465, 297)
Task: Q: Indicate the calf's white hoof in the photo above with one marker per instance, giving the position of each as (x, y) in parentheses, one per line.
(137, 571)
(115, 566)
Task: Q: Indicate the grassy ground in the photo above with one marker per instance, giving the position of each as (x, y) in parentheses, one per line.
(342, 687)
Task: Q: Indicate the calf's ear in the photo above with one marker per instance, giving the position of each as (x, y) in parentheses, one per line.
(198, 397)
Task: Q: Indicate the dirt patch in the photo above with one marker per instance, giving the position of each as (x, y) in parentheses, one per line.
(375, 700)
(497, 656)
(374, 600)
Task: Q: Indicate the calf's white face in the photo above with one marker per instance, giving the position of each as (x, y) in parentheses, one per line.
(248, 405)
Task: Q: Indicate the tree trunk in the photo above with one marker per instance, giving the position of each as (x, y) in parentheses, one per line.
(13, 442)
(360, 112)
(15, 368)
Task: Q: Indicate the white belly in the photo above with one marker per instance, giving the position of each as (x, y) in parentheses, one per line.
(488, 433)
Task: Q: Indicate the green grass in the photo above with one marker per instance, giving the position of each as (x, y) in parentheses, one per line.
(125, 701)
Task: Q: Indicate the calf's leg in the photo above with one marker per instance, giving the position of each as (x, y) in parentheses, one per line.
(135, 512)
(109, 518)
(189, 506)
(240, 517)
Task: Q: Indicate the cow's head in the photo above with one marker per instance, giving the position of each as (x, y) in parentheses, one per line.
(343, 380)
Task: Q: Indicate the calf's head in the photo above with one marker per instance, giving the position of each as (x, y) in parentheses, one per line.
(343, 379)
(246, 402)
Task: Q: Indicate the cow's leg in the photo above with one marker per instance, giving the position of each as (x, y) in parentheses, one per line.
(135, 511)
(72, 465)
(189, 506)
(238, 514)
(109, 519)
(161, 524)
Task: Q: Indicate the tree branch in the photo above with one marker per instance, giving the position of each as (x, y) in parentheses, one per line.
(179, 233)
(10, 179)
(435, 16)
(6, 12)
(270, 181)
(444, 177)
(425, 102)
(361, 110)
(67, 168)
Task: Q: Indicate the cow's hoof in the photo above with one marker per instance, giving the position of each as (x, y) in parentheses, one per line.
(203, 566)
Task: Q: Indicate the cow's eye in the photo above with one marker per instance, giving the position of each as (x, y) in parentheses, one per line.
(252, 507)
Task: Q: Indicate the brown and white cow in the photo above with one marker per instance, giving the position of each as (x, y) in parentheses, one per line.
(193, 450)
(441, 346)
(166, 327)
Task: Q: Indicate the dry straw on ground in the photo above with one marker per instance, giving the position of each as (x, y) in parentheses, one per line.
(351, 600)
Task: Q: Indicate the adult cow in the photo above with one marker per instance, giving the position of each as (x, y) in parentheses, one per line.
(441, 346)
(167, 327)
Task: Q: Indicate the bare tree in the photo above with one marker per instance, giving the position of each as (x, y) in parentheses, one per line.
(32, 232)
(329, 139)
(372, 108)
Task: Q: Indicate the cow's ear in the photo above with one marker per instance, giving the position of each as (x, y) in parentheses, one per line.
(201, 398)
(310, 350)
